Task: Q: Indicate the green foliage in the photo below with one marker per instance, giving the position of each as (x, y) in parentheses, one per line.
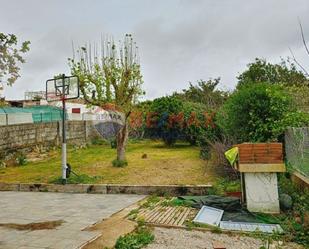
(10, 56)
(176, 202)
(151, 201)
(77, 179)
(259, 113)
(21, 159)
(196, 128)
(300, 95)
(138, 239)
(113, 143)
(112, 80)
(224, 185)
(119, 163)
(97, 141)
(163, 108)
(261, 71)
(205, 93)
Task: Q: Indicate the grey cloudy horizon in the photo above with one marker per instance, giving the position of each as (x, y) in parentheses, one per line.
(179, 41)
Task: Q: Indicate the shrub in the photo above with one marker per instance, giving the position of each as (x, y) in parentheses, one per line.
(165, 119)
(119, 163)
(194, 128)
(259, 113)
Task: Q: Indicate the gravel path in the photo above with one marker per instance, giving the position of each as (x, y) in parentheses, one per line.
(183, 239)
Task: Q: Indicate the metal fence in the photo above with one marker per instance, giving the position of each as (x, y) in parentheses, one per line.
(297, 149)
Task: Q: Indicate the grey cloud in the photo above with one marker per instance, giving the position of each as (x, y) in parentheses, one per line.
(179, 40)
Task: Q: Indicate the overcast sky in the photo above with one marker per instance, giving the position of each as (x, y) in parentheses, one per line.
(179, 40)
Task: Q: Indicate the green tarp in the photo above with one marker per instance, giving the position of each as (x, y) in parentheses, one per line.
(39, 113)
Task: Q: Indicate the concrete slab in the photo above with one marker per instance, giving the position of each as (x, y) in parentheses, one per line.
(78, 211)
(262, 192)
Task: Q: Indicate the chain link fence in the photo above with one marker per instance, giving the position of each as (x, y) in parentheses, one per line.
(297, 149)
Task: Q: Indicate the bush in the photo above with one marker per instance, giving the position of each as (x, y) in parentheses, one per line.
(164, 119)
(119, 163)
(194, 114)
(259, 113)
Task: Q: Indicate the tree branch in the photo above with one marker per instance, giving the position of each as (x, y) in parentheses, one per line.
(303, 37)
(296, 61)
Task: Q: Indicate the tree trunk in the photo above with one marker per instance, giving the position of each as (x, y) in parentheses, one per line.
(122, 138)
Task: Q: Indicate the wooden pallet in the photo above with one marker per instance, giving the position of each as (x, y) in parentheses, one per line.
(170, 216)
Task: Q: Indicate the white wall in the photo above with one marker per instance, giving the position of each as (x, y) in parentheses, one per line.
(2, 119)
(19, 118)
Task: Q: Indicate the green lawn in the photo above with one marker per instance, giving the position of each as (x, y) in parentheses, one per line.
(177, 165)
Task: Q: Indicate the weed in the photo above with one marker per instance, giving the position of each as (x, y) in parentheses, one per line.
(224, 185)
(21, 159)
(119, 163)
(151, 201)
(175, 202)
(133, 214)
(138, 239)
(77, 179)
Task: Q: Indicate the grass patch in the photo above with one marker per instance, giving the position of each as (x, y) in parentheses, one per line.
(178, 165)
(119, 163)
(141, 237)
(79, 179)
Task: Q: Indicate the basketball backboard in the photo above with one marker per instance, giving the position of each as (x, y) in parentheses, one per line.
(65, 87)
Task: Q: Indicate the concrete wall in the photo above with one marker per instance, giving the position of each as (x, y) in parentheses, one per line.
(15, 137)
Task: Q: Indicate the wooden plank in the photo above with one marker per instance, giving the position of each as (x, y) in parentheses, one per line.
(148, 214)
(167, 215)
(182, 218)
(156, 215)
(178, 216)
(170, 220)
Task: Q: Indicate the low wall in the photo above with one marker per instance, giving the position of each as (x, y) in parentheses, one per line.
(161, 190)
(20, 136)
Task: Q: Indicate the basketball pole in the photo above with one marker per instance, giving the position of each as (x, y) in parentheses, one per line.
(64, 145)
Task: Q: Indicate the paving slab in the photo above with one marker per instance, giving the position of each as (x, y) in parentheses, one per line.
(78, 211)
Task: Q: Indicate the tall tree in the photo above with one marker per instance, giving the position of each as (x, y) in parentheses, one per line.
(261, 71)
(110, 75)
(205, 92)
(11, 57)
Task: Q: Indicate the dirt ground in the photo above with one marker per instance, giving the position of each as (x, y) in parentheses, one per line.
(182, 239)
(112, 228)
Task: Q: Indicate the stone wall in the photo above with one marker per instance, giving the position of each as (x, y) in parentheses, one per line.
(26, 136)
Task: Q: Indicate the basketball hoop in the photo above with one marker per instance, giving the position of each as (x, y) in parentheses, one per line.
(62, 89)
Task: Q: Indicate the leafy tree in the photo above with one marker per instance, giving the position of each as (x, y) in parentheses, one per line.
(165, 119)
(204, 92)
(261, 71)
(11, 57)
(258, 113)
(111, 79)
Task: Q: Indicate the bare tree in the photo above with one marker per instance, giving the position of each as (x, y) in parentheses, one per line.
(110, 75)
